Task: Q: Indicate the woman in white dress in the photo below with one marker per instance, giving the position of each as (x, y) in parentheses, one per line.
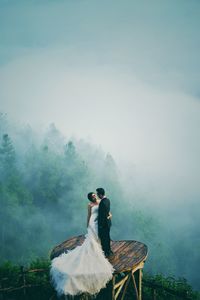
(84, 269)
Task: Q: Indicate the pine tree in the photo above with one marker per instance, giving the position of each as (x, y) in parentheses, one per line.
(7, 150)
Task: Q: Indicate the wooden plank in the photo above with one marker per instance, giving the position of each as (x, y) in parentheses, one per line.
(128, 263)
(134, 254)
(118, 254)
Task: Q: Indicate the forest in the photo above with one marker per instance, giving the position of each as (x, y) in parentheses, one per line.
(44, 181)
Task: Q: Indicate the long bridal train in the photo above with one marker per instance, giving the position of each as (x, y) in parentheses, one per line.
(83, 269)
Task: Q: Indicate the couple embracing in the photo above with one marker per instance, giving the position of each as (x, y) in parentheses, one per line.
(103, 219)
(86, 268)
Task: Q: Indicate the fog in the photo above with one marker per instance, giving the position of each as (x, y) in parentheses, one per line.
(123, 78)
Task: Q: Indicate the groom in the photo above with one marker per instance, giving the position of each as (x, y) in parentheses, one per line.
(104, 222)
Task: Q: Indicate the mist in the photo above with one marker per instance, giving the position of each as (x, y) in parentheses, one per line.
(45, 178)
(118, 78)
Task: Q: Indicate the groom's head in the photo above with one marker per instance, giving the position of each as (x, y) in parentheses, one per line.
(100, 192)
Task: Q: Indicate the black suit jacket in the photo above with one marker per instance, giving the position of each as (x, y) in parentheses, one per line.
(104, 208)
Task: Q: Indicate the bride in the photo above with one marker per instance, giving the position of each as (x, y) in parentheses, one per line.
(84, 269)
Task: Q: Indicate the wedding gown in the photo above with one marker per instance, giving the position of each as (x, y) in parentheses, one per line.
(84, 269)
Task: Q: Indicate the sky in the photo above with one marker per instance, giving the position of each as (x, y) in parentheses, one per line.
(121, 74)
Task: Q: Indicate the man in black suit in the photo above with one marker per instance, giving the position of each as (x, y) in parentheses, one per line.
(104, 221)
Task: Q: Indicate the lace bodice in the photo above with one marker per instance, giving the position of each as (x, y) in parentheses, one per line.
(94, 210)
(93, 223)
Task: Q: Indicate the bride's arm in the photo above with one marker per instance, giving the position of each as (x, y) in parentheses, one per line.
(89, 214)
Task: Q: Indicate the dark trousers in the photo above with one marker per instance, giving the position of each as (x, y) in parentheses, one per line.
(104, 235)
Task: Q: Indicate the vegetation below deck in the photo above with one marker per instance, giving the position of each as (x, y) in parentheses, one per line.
(32, 282)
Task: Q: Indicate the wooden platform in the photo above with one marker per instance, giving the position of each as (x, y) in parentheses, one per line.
(128, 257)
(127, 254)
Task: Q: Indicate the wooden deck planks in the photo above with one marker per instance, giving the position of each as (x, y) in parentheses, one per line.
(127, 254)
(130, 259)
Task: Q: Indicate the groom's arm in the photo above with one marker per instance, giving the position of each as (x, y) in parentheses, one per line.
(101, 216)
(104, 209)
(107, 206)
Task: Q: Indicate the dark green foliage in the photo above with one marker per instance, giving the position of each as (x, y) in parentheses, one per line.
(38, 284)
(168, 287)
(9, 274)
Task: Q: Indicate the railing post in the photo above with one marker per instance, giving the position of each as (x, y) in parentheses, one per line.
(2, 286)
(154, 294)
(23, 279)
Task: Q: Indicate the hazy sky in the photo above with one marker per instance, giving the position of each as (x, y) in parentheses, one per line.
(124, 74)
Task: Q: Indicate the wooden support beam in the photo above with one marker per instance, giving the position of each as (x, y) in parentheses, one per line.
(154, 294)
(125, 288)
(135, 285)
(113, 287)
(121, 282)
(140, 284)
(120, 286)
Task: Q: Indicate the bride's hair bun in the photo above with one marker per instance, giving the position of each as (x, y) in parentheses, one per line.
(90, 197)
